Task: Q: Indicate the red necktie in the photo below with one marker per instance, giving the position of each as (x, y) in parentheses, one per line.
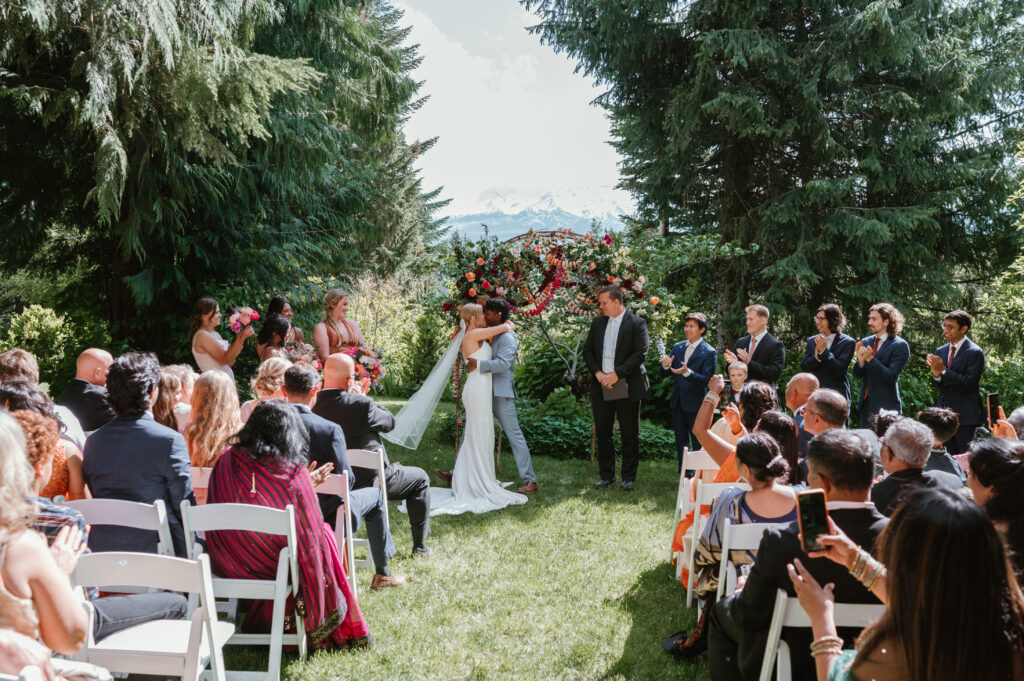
(753, 344)
(952, 354)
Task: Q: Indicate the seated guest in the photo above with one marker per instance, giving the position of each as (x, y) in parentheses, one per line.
(170, 393)
(272, 337)
(954, 607)
(327, 445)
(996, 479)
(363, 420)
(798, 391)
(783, 430)
(38, 601)
(18, 651)
(134, 458)
(1016, 419)
(214, 421)
(770, 500)
(113, 613)
(18, 363)
(839, 463)
(66, 470)
(279, 305)
(270, 457)
(943, 423)
(86, 395)
(905, 448)
(183, 408)
(268, 384)
(737, 379)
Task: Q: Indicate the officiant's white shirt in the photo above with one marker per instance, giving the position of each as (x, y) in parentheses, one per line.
(611, 339)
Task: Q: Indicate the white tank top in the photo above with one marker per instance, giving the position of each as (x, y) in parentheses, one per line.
(207, 363)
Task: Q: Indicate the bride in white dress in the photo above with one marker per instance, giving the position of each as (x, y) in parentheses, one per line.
(474, 487)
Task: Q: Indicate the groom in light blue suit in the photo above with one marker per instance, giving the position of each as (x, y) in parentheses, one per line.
(503, 358)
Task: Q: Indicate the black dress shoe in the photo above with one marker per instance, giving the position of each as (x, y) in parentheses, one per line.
(627, 485)
(421, 551)
(604, 483)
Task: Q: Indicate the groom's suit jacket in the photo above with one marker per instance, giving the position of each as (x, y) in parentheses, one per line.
(499, 366)
(630, 351)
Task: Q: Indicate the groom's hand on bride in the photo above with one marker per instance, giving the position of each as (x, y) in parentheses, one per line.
(470, 365)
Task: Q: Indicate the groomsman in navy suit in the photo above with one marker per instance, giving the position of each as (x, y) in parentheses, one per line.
(880, 359)
(956, 371)
(693, 362)
(763, 353)
(829, 353)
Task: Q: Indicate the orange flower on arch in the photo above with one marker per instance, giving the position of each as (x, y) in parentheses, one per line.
(470, 276)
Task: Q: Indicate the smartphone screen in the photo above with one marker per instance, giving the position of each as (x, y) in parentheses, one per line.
(993, 407)
(813, 518)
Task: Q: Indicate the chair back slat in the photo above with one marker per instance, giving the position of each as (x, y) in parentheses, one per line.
(138, 570)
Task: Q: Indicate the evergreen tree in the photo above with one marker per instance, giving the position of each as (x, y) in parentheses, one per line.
(863, 150)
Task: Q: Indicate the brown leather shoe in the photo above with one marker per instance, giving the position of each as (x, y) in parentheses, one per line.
(382, 582)
(445, 476)
(528, 488)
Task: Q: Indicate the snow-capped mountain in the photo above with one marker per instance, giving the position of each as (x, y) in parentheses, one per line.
(509, 211)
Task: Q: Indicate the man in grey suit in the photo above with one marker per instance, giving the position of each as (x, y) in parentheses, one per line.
(503, 357)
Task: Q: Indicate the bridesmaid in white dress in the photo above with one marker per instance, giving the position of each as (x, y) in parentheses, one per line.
(210, 350)
(474, 487)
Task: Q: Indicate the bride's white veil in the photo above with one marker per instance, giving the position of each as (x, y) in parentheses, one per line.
(415, 416)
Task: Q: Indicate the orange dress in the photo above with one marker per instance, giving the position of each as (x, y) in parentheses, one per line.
(60, 479)
(335, 343)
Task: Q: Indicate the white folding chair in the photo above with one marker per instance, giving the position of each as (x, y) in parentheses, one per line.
(201, 478)
(128, 514)
(182, 648)
(338, 484)
(738, 537)
(251, 518)
(789, 613)
(696, 461)
(706, 493)
(30, 673)
(367, 458)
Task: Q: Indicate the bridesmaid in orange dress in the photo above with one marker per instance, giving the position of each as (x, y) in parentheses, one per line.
(335, 333)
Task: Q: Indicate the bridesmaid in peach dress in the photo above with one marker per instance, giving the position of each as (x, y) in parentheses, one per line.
(335, 333)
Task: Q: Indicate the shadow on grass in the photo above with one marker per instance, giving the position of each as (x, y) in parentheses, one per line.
(657, 606)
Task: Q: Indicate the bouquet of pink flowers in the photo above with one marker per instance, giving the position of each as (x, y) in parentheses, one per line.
(368, 365)
(302, 352)
(242, 316)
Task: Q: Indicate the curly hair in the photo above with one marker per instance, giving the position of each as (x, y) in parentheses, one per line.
(892, 317)
(163, 408)
(755, 399)
(19, 393)
(132, 378)
(270, 377)
(275, 431)
(16, 478)
(834, 316)
(215, 418)
(18, 363)
(42, 436)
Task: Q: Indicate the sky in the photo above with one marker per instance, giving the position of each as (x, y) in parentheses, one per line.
(510, 113)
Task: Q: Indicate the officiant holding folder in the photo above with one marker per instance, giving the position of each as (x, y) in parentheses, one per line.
(614, 352)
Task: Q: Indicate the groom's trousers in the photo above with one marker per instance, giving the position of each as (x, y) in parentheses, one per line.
(505, 411)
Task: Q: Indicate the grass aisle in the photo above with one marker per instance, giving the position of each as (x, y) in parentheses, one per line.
(573, 585)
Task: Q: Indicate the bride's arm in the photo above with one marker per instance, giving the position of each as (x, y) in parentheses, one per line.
(485, 332)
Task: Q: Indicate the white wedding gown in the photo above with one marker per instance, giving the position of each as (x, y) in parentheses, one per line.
(474, 487)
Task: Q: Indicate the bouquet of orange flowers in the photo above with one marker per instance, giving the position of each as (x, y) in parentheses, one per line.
(368, 365)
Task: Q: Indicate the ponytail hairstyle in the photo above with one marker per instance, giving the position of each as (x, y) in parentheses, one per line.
(276, 324)
(762, 455)
(999, 463)
(203, 307)
(783, 430)
(330, 300)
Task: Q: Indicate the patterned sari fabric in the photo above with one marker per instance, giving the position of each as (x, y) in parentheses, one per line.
(332, 614)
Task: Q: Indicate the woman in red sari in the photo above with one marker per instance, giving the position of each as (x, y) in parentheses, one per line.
(267, 467)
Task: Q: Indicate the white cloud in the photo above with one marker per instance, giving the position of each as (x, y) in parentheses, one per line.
(508, 112)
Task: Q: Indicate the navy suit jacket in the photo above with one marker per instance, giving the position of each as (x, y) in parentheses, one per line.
(689, 391)
(134, 458)
(768, 360)
(882, 374)
(832, 364)
(327, 445)
(959, 388)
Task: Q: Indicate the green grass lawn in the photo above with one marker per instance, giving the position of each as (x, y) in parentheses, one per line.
(574, 585)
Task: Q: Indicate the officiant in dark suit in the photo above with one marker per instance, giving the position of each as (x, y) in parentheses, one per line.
(763, 353)
(614, 352)
(956, 371)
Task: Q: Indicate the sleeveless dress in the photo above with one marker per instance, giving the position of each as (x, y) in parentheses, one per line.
(474, 487)
(207, 363)
(335, 343)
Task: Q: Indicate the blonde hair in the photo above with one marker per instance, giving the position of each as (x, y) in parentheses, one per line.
(739, 365)
(270, 376)
(330, 301)
(470, 310)
(16, 478)
(215, 417)
(185, 374)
